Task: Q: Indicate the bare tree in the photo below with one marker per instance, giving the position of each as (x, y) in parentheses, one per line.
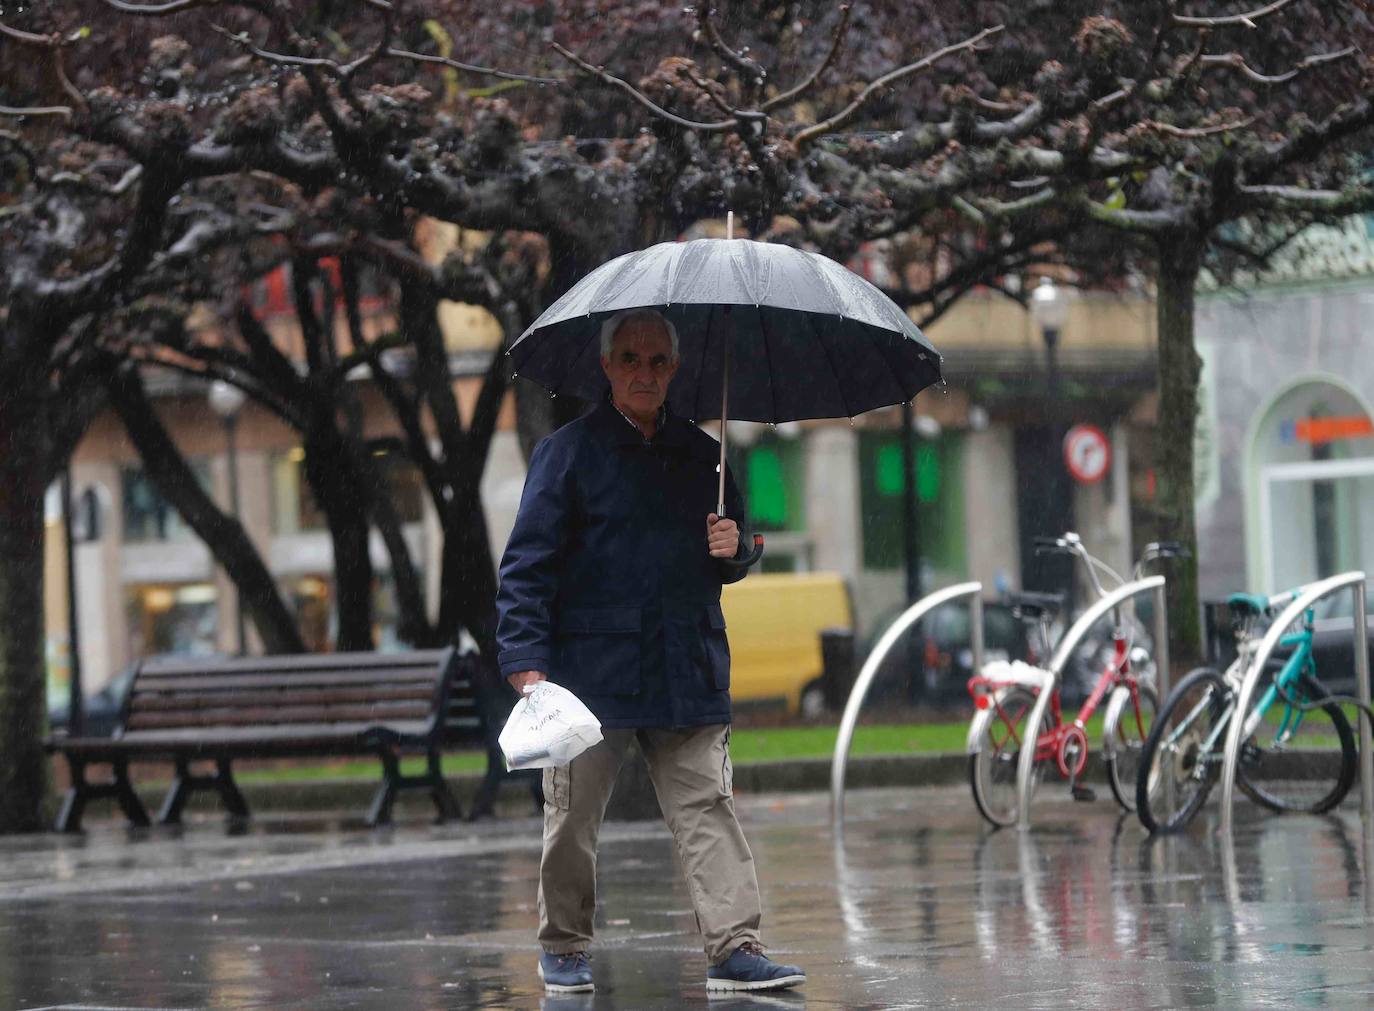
(979, 127)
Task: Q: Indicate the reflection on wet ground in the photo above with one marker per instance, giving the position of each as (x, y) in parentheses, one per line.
(915, 905)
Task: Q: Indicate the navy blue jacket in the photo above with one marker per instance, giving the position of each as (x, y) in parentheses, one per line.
(607, 585)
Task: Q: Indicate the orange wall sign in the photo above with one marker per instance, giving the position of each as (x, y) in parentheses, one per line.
(1320, 430)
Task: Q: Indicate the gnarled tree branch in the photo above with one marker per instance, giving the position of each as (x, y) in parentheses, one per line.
(846, 114)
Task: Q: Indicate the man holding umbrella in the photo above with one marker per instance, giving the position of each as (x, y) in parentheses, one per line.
(610, 586)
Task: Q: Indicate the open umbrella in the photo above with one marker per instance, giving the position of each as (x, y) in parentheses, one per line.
(766, 333)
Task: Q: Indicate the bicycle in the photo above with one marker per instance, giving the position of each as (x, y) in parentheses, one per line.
(1186, 746)
(1006, 693)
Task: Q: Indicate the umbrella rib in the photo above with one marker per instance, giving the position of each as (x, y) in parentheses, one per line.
(768, 364)
(701, 368)
(844, 399)
(894, 373)
(817, 264)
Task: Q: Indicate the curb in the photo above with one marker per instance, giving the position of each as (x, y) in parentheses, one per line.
(633, 799)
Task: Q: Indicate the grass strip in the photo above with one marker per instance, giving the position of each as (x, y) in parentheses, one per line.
(769, 744)
(747, 746)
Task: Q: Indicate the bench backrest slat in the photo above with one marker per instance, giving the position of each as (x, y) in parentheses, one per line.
(431, 688)
(293, 662)
(212, 678)
(277, 715)
(287, 696)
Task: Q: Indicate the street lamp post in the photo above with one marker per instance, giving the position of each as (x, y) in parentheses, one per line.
(226, 400)
(911, 517)
(1049, 308)
(76, 702)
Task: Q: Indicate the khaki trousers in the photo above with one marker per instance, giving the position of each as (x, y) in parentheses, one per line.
(690, 770)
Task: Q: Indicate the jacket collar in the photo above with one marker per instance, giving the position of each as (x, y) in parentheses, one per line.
(612, 425)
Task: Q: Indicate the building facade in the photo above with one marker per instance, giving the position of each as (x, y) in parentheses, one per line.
(1286, 425)
(828, 495)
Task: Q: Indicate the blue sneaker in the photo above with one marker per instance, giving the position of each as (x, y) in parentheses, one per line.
(571, 973)
(748, 968)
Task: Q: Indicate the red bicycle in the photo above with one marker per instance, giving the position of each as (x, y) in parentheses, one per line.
(1005, 695)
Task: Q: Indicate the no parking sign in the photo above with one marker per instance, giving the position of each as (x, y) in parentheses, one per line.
(1087, 453)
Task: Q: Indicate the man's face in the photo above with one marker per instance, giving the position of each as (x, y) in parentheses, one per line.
(640, 367)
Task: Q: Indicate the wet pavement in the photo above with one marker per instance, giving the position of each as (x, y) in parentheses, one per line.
(917, 906)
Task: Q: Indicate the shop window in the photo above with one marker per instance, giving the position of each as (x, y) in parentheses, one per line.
(939, 501)
(404, 483)
(295, 510)
(180, 618)
(147, 515)
(311, 598)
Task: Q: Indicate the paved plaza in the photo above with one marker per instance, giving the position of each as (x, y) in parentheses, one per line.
(916, 905)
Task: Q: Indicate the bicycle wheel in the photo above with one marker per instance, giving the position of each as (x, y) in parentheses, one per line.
(1124, 731)
(1298, 761)
(1176, 771)
(998, 734)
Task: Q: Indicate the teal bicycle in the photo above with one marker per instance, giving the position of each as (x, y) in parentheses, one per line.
(1298, 751)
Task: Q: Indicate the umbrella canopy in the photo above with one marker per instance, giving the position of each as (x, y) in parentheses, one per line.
(808, 338)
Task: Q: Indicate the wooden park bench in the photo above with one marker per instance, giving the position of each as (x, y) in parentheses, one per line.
(342, 704)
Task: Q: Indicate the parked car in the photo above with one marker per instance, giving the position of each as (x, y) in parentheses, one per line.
(101, 708)
(774, 621)
(1333, 641)
(931, 665)
(1333, 645)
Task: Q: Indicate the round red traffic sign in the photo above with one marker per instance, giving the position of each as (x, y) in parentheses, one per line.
(1087, 453)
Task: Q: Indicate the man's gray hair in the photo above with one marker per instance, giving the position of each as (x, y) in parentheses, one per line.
(613, 324)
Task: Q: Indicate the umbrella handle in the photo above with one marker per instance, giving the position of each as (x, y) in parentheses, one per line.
(747, 560)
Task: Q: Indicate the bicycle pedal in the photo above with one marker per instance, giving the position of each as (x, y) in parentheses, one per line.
(1083, 793)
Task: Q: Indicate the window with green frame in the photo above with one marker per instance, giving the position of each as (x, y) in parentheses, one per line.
(939, 500)
(771, 477)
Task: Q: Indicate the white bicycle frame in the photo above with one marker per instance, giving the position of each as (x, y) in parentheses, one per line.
(1303, 599)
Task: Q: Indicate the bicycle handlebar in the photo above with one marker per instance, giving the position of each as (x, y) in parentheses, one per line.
(1166, 549)
(1051, 546)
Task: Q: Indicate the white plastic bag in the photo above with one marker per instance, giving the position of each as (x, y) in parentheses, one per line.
(548, 727)
(1016, 672)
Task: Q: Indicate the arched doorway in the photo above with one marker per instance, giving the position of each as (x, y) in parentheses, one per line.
(1310, 486)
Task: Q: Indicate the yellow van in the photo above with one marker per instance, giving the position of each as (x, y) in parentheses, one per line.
(774, 621)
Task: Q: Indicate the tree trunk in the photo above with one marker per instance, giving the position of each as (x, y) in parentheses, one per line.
(412, 623)
(224, 536)
(1179, 370)
(344, 497)
(467, 581)
(23, 450)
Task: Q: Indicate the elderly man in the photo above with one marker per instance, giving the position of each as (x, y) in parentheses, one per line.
(610, 586)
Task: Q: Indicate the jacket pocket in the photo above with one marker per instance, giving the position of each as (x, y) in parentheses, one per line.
(717, 648)
(598, 649)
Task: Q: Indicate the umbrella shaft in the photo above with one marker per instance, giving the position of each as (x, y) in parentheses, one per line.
(724, 389)
(724, 413)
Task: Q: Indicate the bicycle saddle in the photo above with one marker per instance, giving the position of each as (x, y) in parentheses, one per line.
(1247, 603)
(1035, 605)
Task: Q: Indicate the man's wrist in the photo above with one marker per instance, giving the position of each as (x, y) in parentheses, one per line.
(520, 679)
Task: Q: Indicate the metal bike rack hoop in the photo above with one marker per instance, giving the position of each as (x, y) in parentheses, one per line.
(909, 617)
(1355, 581)
(1025, 764)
